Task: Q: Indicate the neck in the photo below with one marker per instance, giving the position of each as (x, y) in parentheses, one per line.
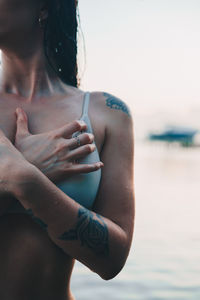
(28, 75)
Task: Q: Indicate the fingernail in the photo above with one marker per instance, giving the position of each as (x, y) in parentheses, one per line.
(24, 114)
(100, 164)
(91, 136)
(18, 110)
(82, 123)
(93, 147)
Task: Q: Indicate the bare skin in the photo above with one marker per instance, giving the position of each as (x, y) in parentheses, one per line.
(58, 265)
(26, 81)
(31, 262)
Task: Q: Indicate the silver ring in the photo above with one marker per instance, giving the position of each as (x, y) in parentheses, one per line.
(78, 140)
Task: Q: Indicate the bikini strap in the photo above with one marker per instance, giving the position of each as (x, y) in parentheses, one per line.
(85, 115)
(86, 104)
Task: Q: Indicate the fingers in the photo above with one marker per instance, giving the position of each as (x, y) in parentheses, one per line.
(22, 123)
(66, 147)
(81, 152)
(85, 168)
(66, 131)
(81, 139)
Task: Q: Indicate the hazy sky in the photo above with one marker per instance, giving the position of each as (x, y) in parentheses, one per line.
(144, 51)
(147, 52)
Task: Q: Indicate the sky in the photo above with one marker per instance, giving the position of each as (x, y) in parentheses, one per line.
(146, 52)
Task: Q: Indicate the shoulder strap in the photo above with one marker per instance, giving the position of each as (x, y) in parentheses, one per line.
(85, 115)
(86, 104)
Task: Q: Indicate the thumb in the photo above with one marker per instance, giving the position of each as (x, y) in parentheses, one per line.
(22, 123)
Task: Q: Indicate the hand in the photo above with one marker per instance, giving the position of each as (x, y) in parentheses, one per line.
(55, 152)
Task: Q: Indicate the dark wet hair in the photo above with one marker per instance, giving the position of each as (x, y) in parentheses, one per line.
(60, 39)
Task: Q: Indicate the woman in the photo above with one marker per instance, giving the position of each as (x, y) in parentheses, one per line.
(66, 183)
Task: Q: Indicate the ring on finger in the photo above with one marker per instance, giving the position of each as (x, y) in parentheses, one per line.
(78, 140)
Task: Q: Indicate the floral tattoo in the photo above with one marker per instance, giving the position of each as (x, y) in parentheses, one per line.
(91, 230)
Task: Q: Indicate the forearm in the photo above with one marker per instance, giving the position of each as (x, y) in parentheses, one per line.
(94, 240)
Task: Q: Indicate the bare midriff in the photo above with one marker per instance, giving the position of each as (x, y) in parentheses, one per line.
(32, 266)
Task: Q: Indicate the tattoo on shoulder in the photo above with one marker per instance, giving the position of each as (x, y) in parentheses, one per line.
(116, 103)
(37, 220)
(91, 230)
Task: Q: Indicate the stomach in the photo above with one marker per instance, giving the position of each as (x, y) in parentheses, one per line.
(31, 263)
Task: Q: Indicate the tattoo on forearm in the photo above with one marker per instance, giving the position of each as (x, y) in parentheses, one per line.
(91, 231)
(37, 220)
(116, 103)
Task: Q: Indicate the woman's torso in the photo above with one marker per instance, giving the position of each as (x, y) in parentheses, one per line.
(45, 267)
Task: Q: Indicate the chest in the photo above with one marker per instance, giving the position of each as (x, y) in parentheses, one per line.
(46, 116)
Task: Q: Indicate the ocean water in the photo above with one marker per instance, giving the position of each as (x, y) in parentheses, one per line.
(164, 261)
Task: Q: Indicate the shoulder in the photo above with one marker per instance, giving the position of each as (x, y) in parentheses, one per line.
(114, 111)
(111, 104)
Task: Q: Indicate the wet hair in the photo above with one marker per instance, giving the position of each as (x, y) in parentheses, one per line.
(60, 39)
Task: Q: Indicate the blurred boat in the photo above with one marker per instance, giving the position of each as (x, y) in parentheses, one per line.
(183, 135)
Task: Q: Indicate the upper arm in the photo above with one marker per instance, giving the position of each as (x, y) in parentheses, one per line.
(115, 198)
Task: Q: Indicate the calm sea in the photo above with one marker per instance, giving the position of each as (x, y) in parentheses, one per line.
(164, 261)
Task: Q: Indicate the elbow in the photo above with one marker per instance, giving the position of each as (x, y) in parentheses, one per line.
(113, 267)
(113, 263)
(111, 272)
(116, 261)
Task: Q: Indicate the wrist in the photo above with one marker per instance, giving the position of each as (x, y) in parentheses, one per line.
(21, 179)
